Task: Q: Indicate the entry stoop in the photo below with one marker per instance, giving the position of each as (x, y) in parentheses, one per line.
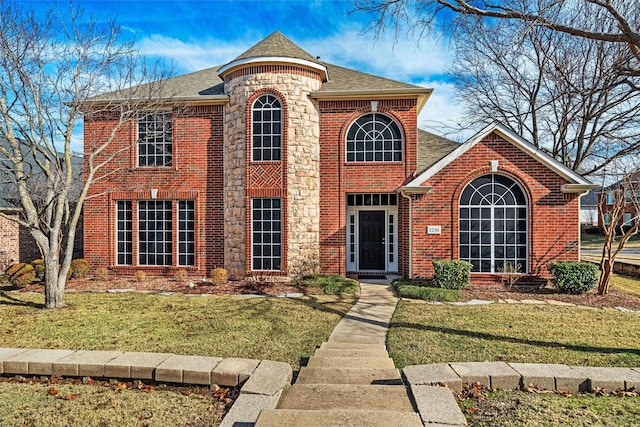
(350, 380)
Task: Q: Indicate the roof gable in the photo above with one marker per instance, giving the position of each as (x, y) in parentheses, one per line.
(577, 183)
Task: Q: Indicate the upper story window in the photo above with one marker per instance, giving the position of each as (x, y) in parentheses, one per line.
(267, 129)
(374, 137)
(155, 140)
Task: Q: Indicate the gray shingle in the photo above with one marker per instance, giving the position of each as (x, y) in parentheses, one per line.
(431, 148)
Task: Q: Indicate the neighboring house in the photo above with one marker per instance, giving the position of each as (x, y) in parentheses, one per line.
(283, 163)
(589, 212)
(17, 241)
(607, 199)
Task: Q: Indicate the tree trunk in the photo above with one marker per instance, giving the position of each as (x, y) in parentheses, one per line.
(54, 283)
(605, 276)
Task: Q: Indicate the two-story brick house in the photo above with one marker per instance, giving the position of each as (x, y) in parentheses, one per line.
(277, 162)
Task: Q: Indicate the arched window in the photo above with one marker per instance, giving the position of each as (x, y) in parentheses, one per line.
(493, 225)
(266, 139)
(374, 137)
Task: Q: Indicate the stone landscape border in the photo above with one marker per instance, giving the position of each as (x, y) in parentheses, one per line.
(262, 381)
(437, 405)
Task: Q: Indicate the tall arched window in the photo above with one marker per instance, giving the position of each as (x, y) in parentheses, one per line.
(493, 224)
(374, 137)
(266, 139)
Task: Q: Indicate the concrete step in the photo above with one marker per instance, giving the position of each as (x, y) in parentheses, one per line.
(351, 346)
(346, 396)
(351, 362)
(309, 375)
(337, 418)
(379, 339)
(350, 353)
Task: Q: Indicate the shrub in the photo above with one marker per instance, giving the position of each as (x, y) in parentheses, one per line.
(451, 274)
(141, 276)
(101, 273)
(573, 277)
(38, 266)
(181, 275)
(21, 274)
(330, 283)
(218, 275)
(78, 269)
(429, 294)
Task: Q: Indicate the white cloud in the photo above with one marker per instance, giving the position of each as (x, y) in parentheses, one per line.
(190, 56)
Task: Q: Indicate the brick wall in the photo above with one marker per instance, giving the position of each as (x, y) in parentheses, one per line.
(339, 177)
(9, 243)
(553, 215)
(196, 174)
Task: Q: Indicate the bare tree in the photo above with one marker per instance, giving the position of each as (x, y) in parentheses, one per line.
(558, 91)
(622, 17)
(52, 67)
(621, 217)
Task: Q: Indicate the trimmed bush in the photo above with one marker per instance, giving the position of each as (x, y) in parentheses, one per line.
(140, 276)
(78, 269)
(181, 276)
(218, 275)
(330, 283)
(102, 273)
(573, 277)
(38, 266)
(21, 274)
(428, 294)
(452, 274)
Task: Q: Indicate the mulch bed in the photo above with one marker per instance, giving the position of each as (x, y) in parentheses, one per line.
(250, 287)
(591, 299)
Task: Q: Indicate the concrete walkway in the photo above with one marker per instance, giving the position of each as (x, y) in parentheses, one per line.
(350, 380)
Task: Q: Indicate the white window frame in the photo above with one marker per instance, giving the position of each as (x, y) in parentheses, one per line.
(186, 233)
(274, 260)
(372, 145)
(124, 228)
(493, 231)
(264, 124)
(162, 142)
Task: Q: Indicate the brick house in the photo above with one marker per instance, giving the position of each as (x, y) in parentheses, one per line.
(277, 163)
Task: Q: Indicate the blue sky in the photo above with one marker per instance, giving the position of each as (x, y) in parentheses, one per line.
(196, 34)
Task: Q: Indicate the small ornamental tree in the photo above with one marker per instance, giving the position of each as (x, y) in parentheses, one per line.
(624, 196)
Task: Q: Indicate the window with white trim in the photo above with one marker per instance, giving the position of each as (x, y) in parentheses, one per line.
(266, 129)
(158, 233)
(124, 233)
(374, 137)
(186, 232)
(155, 235)
(493, 224)
(266, 234)
(155, 140)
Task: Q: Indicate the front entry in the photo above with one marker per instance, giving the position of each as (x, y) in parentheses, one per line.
(371, 241)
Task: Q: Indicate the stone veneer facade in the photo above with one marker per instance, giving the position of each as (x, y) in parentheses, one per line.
(295, 179)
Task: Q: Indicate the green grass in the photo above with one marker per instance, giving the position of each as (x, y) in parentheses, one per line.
(86, 405)
(589, 240)
(281, 329)
(331, 284)
(422, 334)
(625, 284)
(514, 409)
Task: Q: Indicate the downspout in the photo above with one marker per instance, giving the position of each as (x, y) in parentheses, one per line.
(584, 193)
(404, 194)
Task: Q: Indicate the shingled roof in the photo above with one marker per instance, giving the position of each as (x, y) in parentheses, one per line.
(276, 44)
(207, 86)
(431, 148)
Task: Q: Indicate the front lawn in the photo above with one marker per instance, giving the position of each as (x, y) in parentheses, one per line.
(522, 409)
(424, 333)
(281, 329)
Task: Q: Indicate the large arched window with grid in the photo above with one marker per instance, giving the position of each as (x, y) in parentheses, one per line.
(266, 129)
(493, 225)
(374, 137)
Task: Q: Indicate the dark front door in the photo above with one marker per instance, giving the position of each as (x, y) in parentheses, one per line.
(371, 240)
